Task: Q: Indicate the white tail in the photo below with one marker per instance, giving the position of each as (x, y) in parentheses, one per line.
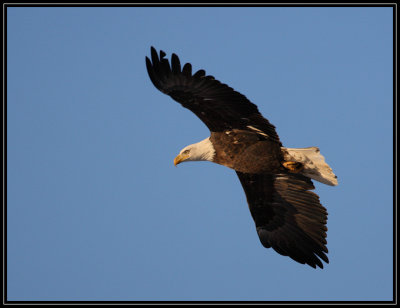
(314, 164)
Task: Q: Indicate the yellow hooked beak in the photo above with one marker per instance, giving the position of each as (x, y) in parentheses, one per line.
(180, 158)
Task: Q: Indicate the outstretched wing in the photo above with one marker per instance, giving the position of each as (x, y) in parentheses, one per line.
(288, 216)
(216, 104)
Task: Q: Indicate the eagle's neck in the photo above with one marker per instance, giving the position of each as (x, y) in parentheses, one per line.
(203, 150)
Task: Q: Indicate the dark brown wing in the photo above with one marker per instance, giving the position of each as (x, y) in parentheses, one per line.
(288, 216)
(216, 104)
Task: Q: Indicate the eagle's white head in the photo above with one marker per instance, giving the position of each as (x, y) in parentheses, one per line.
(203, 150)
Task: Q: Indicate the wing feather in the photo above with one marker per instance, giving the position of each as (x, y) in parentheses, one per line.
(199, 74)
(288, 216)
(216, 104)
(187, 70)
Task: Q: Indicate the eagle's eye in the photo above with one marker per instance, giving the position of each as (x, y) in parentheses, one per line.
(186, 152)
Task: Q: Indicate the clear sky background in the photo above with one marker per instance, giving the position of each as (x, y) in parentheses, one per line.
(96, 209)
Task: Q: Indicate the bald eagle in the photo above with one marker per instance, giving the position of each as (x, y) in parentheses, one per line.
(276, 180)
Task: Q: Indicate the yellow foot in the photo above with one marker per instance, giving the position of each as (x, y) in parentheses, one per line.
(293, 166)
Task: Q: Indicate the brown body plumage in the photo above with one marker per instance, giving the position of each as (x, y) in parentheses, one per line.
(244, 151)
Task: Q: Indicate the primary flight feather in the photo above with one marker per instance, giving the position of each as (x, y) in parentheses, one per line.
(276, 180)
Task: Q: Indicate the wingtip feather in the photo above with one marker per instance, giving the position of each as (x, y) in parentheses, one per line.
(176, 64)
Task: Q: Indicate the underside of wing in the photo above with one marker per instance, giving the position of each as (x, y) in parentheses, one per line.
(216, 104)
(288, 216)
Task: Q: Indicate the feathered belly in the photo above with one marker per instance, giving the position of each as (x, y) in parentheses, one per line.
(247, 153)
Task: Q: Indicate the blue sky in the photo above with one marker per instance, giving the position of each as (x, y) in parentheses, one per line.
(96, 209)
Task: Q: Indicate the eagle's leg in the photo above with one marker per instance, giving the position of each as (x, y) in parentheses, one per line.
(293, 166)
